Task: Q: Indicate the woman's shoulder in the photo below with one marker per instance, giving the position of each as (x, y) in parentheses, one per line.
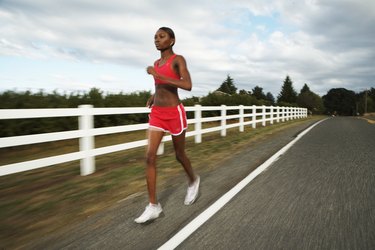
(179, 58)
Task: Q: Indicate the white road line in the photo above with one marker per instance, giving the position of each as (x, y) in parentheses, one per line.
(185, 232)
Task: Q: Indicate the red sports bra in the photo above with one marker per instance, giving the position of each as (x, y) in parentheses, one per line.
(166, 70)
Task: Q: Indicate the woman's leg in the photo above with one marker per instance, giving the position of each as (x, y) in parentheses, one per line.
(193, 188)
(179, 147)
(154, 139)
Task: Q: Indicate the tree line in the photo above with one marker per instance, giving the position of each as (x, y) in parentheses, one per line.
(96, 97)
(338, 101)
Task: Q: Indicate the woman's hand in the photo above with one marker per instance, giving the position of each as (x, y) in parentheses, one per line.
(151, 71)
(150, 101)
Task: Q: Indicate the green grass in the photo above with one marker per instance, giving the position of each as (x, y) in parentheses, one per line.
(36, 202)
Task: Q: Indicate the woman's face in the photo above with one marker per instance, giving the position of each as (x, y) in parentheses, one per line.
(162, 40)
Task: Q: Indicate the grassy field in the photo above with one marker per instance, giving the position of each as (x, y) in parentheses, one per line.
(37, 202)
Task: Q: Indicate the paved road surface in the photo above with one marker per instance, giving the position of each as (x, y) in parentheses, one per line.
(319, 195)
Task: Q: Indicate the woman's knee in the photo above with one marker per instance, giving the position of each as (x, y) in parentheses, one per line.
(151, 159)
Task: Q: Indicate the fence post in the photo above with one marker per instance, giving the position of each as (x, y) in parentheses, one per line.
(254, 118)
(263, 115)
(277, 114)
(223, 120)
(294, 113)
(160, 150)
(290, 113)
(241, 113)
(198, 123)
(271, 115)
(86, 142)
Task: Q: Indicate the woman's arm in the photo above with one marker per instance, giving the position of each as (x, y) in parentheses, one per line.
(150, 101)
(179, 64)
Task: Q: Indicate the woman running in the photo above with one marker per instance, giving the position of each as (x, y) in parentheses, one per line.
(167, 115)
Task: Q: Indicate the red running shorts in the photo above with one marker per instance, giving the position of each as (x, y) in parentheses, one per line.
(168, 119)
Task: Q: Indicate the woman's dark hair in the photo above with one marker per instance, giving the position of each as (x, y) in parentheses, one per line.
(169, 31)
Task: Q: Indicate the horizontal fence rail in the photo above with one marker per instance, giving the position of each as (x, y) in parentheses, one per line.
(243, 116)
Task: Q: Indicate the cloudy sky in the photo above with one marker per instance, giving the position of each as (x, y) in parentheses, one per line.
(75, 45)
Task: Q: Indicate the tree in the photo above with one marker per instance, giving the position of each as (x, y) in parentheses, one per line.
(365, 101)
(305, 89)
(310, 100)
(258, 93)
(228, 86)
(244, 92)
(270, 98)
(371, 100)
(287, 94)
(95, 97)
(340, 101)
(191, 101)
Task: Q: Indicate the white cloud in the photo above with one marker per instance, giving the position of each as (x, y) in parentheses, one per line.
(324, 44)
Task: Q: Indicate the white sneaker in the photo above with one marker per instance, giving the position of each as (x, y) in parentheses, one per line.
(192, 192)
(151, 212)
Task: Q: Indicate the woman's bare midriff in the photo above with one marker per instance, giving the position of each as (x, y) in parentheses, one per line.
(166, 96)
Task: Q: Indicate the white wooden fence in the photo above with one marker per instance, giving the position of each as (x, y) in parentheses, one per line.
(245, 115)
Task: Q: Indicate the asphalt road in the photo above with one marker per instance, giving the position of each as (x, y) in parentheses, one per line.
(319, 195)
